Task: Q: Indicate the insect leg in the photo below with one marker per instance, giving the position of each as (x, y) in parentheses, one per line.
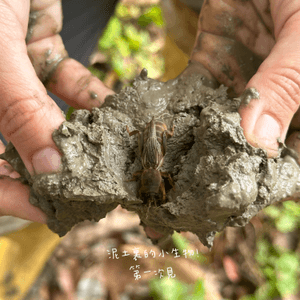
(136, 176)
(132, 132)
(170, 133)
(163, 190)
(140, 138)
(141, 142)
(164, 143)
(165, 135)
(167, 175)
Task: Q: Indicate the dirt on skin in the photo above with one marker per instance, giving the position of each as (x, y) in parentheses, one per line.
(220, 179)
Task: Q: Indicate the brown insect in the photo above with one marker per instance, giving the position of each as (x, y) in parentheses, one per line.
(152, 147)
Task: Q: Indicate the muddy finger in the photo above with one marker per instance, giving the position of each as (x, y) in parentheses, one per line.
(65, 77)
(75, 84)
(45, 20)
(234, 37)
(240, 21)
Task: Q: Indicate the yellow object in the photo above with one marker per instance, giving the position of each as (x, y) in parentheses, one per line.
(175, 60)
(23, 255)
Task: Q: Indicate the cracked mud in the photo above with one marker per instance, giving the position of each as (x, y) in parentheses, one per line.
(220, 180)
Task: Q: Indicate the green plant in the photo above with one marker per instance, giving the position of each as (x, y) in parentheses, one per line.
(173, 289)
(279, 266)
(286, 217)
(127, 43)
(281, 270)
(183, 245)
(151, 15)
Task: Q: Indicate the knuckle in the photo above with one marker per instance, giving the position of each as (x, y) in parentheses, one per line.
(286, 84)
(44, 21)
(46, 55)
(16, 116)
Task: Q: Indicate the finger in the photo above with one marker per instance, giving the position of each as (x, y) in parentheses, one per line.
(75, 84)
(14, 201)
(239, 21)
(263, 9)
(14, 195)
(45, 20)
(278, 82)
(225, 60)
(5, 168)
(63, 76)
(27, 115)
(232, 41)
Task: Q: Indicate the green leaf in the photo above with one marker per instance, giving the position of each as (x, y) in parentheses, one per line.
(69, 112)
(96, 72)
(127, 11)
(145, 38)
(262, 255)
(269, 273)
(144, 21)
(112, 31)
(180, 242)
(272, 211)
(124, 68)
(199, 290)
(153, 14)
(286, 223)
(117, 65)
(134, 11)
(287, 285)
(133, 36)
(249, 297)
(168, 289)
(288, 263)
(122, 11)
(122, 46)
(292, 207)
(287, 267)
(266, 291)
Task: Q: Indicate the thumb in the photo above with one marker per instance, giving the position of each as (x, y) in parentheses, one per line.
(267, 118)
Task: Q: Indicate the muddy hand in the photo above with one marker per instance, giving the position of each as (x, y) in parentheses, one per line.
(255, 44)
(27, 115)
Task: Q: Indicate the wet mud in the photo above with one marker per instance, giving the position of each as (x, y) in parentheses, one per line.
(220, 179)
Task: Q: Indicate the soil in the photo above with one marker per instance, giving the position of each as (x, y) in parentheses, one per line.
(220, 179)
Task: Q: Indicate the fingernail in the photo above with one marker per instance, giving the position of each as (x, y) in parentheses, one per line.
(266, 131)
(47, 160)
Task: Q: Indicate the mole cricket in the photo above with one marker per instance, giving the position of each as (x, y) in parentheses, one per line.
(152, 148)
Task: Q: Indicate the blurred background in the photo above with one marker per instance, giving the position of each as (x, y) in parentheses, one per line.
(113, 259)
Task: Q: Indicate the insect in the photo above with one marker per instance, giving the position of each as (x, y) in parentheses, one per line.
(152, 148)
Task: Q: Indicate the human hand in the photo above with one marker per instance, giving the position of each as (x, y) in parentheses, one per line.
(255, 44)
(28, 114)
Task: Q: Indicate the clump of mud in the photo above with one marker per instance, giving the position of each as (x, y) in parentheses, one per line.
(220, 180)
